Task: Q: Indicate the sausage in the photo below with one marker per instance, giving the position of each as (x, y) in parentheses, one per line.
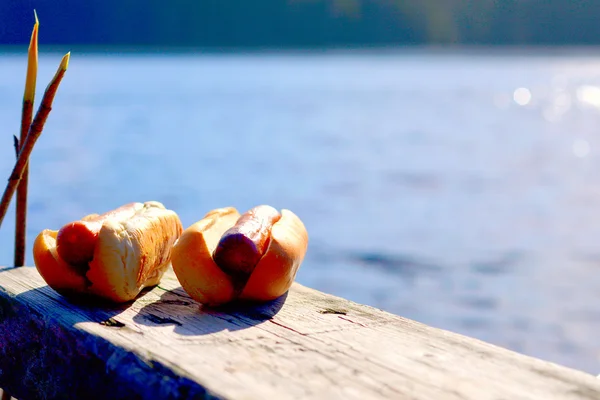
(242, 246)
(75, 241)
(277, 269)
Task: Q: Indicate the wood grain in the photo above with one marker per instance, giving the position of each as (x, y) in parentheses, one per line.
(304, 345)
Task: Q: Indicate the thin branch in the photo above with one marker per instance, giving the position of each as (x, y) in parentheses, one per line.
(32, 62)
(34, 133)
(16, 145)
(26, 118)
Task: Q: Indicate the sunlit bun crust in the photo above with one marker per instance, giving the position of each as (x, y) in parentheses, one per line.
(277, 269)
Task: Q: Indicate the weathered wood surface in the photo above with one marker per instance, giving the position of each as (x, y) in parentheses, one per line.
(306, 345)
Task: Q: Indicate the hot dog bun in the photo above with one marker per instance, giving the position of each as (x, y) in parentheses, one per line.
(276, 270)
(129, 255)
(193, 263)
(59, 275)
(207, 283)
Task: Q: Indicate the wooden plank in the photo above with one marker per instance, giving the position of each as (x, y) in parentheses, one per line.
(306, 345)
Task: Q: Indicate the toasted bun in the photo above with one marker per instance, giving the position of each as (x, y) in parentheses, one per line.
(133, 254)
(130, 255)
(59, 275)
(206, 283)
(276, 270)
(192, 259)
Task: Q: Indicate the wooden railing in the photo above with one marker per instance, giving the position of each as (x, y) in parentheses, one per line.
(304, 345)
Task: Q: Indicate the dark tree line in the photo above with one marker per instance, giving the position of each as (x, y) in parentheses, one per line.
(302, 23)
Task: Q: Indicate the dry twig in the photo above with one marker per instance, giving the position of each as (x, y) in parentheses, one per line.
(26, 117)
(34, 133)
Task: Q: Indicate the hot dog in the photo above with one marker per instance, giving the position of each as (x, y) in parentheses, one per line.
(112, 256)
(273, 245)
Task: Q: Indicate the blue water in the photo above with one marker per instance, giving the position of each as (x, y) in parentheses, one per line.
(460, 190)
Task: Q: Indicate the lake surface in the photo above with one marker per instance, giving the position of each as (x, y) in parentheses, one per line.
(459, 190)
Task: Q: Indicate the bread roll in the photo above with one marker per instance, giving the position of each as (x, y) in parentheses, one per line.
(129, 255)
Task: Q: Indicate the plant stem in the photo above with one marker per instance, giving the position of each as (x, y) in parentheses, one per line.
(35, 131)
(26, 118)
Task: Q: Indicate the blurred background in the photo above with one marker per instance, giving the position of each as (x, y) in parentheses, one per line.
(443, 154)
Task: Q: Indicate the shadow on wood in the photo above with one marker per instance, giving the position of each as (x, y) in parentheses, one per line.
(47, 358)
(176, 308)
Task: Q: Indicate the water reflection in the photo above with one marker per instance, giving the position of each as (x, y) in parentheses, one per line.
(581, 148)
(589, 94)
(522, 96)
